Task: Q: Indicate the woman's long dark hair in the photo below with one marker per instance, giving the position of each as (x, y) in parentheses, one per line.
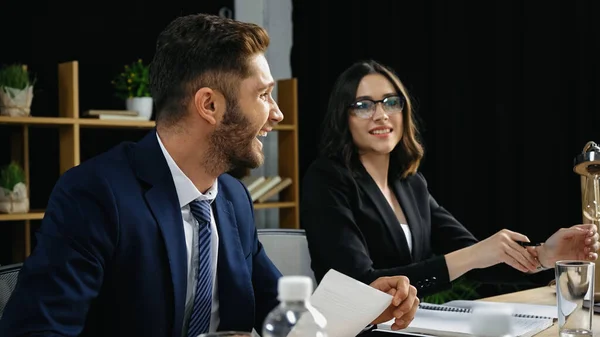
(336, 140)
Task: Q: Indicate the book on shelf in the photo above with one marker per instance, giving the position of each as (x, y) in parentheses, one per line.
(95, 113)
(459, 318)
(275, 190)
(114, 115)
(264, 187)
(252, 182)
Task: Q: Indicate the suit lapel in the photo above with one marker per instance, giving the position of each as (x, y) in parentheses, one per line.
(168, 215)
(151, 166)
(405, 198)
(236, 301)
(390, 220)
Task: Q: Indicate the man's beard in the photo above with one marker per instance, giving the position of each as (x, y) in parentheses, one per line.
(231, 144)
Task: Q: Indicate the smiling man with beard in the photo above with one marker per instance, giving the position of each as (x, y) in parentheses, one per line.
(235, 143)
(153, 238)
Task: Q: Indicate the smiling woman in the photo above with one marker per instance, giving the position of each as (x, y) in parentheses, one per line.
(371, 101)
(376, 129)
(368, 213)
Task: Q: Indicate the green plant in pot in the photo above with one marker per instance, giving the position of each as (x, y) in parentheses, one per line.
(133, 86)
(16, 90)
(461, 289)
(13, 190)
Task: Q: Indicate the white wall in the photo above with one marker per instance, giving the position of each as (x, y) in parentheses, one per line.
(276, 17)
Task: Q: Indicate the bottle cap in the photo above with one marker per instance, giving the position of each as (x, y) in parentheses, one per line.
(294, 288)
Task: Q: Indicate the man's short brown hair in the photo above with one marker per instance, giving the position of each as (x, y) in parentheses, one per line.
(198, 51)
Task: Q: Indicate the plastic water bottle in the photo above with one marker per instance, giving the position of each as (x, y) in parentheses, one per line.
(294, 316)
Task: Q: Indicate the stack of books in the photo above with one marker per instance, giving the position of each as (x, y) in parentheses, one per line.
(263, 188)
(114, 115)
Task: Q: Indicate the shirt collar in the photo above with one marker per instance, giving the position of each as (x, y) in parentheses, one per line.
(186, 190)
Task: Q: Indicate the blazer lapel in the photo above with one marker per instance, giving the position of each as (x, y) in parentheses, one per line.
(405, 198)
(151, 166)
(236, 300)
(390, 220)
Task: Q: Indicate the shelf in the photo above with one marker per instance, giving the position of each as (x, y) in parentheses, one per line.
(84, 122)
(39, 214)
(97, 123)
(104, 123)
(277, 204)
(284, 127)
(32, 215)
(42, 121)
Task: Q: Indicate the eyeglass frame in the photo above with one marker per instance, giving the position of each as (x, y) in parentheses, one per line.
(372, 111)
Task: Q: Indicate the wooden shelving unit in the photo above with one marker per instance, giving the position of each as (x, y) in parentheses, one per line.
(69, 126)
(289, 165)
(32, 215)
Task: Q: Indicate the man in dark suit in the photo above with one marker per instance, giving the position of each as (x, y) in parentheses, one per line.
(153, 238)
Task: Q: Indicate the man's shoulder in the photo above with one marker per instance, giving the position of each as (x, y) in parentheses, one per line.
(234, 191)
(111, 165)
(230, 182)
(231, 187)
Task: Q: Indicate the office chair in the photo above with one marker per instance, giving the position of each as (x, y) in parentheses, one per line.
(288, 249)
(8, 281)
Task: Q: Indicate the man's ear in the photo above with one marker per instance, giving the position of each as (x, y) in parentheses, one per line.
(207, 103)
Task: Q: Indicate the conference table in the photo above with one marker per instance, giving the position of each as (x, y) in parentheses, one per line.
(542, 295)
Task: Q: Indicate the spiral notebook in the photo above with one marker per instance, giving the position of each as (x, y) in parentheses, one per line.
(520, 310)
(454, 318)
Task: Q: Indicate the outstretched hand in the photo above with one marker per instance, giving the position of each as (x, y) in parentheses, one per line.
(404, 302)
(579, 242)
(503, 248)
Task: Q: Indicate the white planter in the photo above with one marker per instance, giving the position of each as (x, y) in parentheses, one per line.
(143, 105)
(15, 201)
(15, 102)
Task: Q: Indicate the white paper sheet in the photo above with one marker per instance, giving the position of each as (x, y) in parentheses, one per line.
(347, 304)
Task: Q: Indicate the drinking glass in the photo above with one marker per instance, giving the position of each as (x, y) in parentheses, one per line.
(574, 284)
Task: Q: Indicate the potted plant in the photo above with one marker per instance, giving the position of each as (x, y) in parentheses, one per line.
(13, 191)
(462, 289)
(132, 85)
(16, 90)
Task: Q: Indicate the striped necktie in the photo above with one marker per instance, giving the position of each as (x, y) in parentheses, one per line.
(200, 318)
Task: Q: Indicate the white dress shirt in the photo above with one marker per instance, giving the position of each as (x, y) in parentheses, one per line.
(186, 193)
(406, 230)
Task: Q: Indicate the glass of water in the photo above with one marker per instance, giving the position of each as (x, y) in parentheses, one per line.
(574, 285)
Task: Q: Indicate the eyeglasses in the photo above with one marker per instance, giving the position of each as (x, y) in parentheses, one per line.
(365, 108)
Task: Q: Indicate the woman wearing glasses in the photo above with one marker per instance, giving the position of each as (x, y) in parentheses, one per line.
(367, 211)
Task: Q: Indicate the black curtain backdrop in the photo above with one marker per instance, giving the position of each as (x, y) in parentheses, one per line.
(507, 94)
(102, 37)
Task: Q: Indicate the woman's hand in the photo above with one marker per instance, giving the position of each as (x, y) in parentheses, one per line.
(502, 247)
(579, 242)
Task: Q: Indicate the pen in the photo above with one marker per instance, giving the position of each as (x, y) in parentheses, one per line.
(528, 244)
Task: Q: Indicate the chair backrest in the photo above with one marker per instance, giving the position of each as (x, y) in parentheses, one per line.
(8, 281)
(288, 249)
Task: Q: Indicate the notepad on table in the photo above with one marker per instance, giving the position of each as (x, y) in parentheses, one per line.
(455, 318)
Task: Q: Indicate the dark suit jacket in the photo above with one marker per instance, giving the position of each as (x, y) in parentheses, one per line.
(351, 227)
(110, 258)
